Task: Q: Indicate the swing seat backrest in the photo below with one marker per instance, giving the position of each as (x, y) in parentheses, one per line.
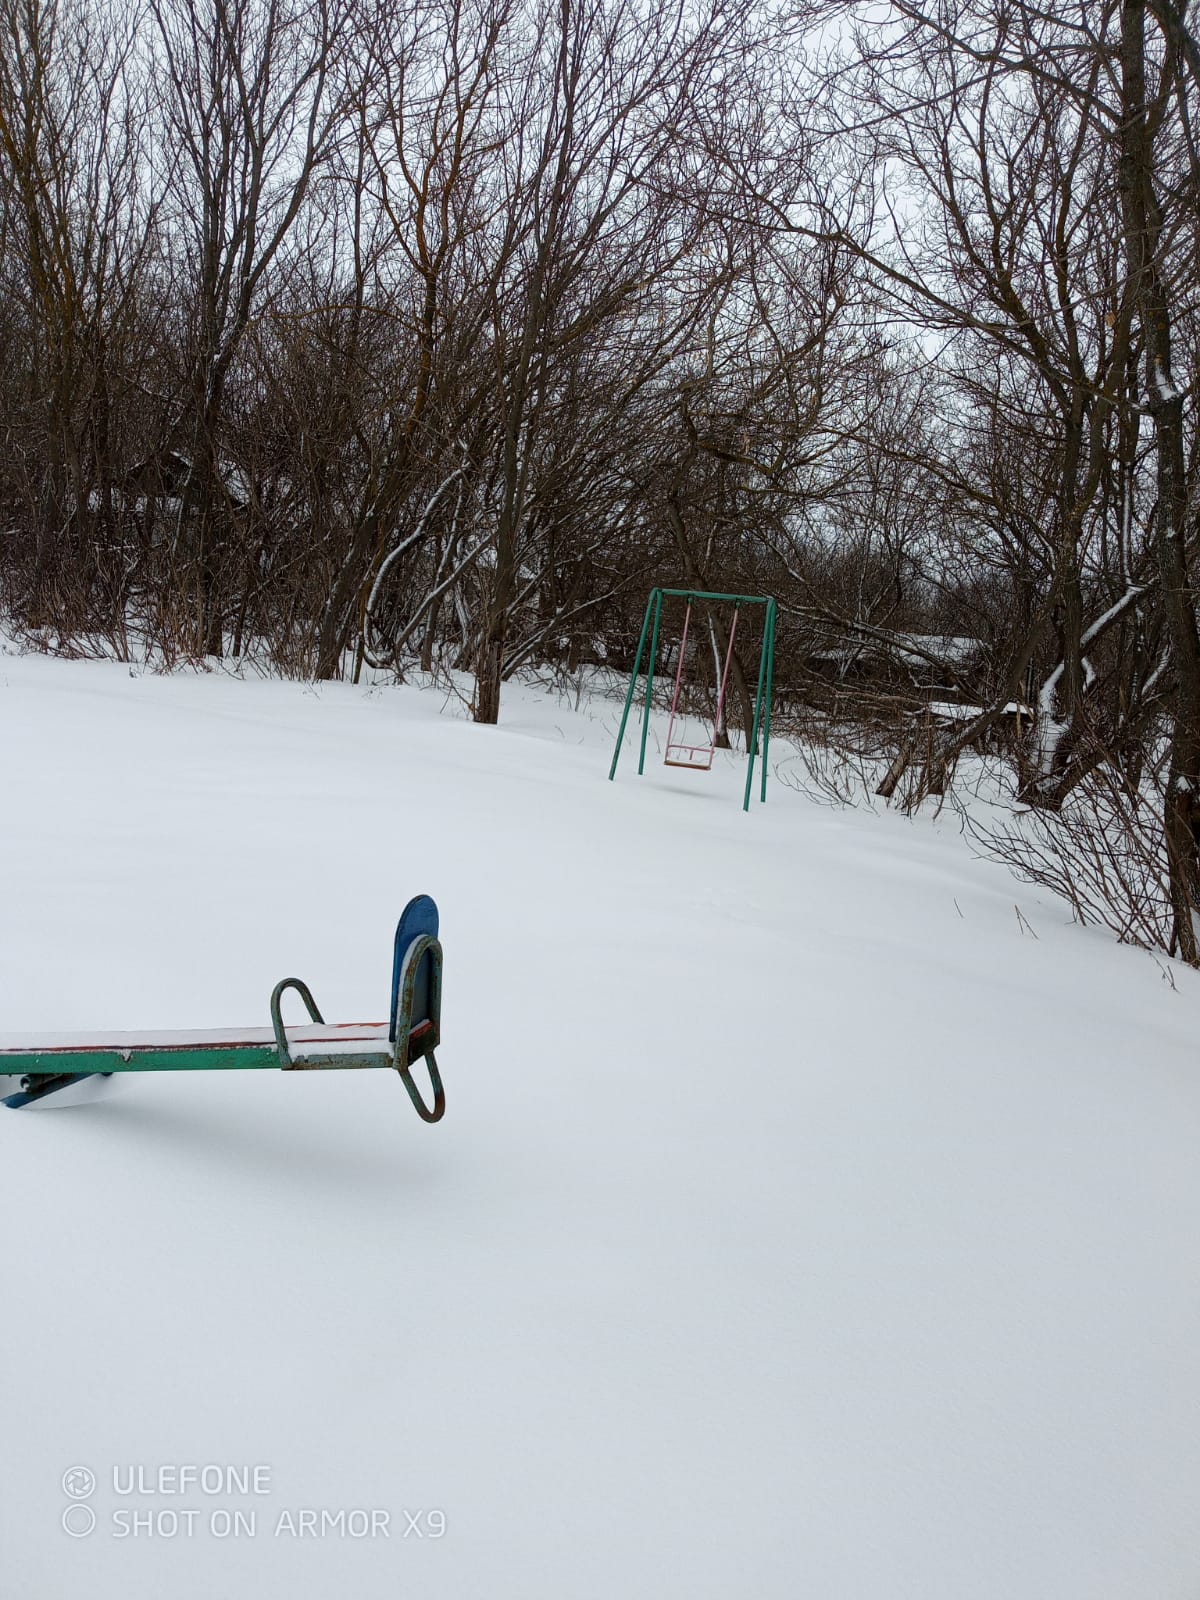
(420, 916)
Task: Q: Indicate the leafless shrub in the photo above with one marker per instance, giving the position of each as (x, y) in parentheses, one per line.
(1104, 852)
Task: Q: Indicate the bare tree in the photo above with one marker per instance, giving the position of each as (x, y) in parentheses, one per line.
(253, 112)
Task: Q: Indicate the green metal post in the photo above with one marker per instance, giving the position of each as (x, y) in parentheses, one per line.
(767, 697)
(758, 700)
(657, 596)
(637, 667)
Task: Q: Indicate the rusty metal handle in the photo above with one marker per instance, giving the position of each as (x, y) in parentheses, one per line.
(277, 993)
(423, 945)
(414, 1094)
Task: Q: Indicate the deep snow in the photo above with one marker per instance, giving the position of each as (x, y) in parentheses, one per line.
(800, 1225)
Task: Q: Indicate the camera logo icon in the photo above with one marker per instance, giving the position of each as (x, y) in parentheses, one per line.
(79, 1520)
(79, 1482)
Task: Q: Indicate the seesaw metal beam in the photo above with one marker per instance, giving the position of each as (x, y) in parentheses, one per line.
(49, 1064)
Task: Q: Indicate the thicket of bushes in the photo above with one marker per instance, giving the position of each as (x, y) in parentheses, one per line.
(342, 331)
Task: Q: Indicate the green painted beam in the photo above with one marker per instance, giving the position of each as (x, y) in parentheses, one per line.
(705, 594)
(211, 1058)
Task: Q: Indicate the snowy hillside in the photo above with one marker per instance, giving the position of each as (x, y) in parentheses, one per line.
(799, 1226)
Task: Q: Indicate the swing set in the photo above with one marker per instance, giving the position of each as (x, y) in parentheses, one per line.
(680, 752)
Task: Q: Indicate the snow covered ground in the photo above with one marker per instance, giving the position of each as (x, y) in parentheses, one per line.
(800, 1224)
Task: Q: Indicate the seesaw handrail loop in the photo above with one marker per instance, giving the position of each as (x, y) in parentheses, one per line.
(277, 993)
(424, 944)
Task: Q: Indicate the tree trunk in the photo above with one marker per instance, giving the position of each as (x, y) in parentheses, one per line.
(1164, 401)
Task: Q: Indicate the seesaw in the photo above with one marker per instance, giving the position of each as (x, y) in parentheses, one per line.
(46, 1063)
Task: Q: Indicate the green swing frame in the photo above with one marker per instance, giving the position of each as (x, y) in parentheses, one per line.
(651, 623)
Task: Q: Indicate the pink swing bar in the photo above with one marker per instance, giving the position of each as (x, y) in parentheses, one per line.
(698, 757)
